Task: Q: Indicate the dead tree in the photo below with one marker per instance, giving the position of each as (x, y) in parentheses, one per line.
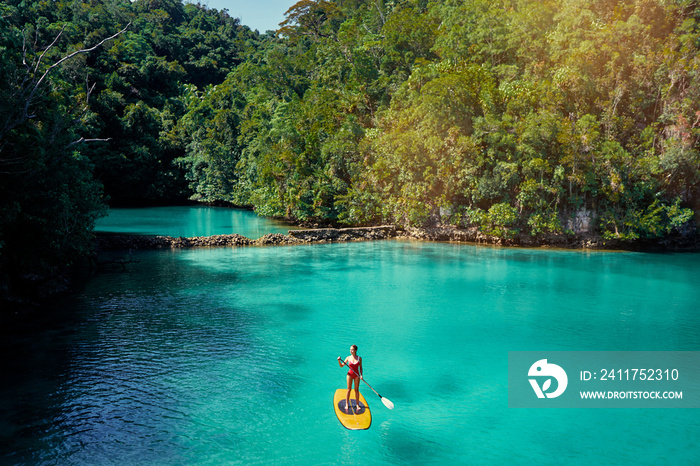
(25, 95)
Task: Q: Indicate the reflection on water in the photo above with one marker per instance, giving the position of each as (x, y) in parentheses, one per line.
(213, 356)
(189, 221)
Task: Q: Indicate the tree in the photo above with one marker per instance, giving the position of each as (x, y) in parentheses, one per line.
(50, 199)
(312, 18)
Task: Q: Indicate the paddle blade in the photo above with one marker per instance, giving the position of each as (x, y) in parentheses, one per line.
(387, 403)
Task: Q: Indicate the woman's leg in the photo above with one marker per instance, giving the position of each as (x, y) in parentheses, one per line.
(347, 396)
(357, 391)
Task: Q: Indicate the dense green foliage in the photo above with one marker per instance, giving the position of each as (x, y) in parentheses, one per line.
(511, 116)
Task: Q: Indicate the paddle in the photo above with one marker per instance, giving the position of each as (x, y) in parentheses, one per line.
(386, 401)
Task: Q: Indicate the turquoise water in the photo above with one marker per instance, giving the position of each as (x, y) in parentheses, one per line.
(188, 221)
(228, 356)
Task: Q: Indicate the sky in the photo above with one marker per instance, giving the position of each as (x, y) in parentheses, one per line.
(256, 14)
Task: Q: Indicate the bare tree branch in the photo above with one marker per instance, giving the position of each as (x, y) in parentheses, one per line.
(88, 93)
(67, 57)
(30, 85)
(24, 94)
(36, 67)
(82, 140)
(381, 15)
(24, 50)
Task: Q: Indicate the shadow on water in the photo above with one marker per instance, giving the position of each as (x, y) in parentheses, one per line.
(34, 358)
(114, 363)
(292, 311)
(405, 445)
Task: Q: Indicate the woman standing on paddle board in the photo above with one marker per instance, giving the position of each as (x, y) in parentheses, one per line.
(354, 362)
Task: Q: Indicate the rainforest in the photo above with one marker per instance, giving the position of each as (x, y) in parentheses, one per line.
(512, 117)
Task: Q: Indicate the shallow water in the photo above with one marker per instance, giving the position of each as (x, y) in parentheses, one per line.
(188, 221)
(214, 356)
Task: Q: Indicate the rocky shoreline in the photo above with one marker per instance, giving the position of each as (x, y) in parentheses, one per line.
(689, 242)
(445, 233)
(111, 242)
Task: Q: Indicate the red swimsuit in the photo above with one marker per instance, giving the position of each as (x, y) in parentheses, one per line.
(354, 368)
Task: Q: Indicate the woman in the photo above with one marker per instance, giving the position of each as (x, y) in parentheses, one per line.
(354, 362)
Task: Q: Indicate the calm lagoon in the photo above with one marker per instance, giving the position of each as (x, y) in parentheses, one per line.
(228, 356)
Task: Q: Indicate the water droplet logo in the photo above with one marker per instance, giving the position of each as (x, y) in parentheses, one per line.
(543, 369)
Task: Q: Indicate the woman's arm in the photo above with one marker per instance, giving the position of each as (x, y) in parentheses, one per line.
(360, 368)
(340, 363)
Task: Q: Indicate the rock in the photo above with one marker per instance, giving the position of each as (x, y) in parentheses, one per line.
(344, 234)
(272, 238)
(110, 242)
(581, 221)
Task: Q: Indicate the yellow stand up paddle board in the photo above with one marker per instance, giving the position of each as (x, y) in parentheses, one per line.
(356, 418)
